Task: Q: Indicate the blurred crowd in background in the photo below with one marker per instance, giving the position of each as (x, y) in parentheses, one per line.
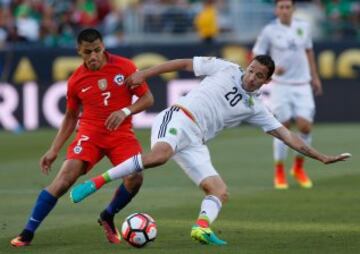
(55, 23)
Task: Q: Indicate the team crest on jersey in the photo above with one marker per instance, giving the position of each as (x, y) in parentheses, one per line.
(102, 84)
(119, 79)
(300, 32)
(77, 149)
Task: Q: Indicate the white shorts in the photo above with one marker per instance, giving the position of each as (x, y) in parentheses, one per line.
(290, 101)
(174, 127)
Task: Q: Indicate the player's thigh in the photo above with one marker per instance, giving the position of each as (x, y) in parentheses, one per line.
(280, 102)
(122, 148)
(195, 161)
(85, 148)
(304, 105)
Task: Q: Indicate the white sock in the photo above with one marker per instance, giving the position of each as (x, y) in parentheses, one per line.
(280, 150)
(210, 207)
(307, 138)
(128, 167)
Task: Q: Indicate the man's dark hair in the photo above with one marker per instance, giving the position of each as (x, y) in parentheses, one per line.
(89, 35)
(268, 62)
(278, 1)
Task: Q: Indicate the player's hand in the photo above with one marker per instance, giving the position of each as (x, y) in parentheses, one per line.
(46, 161)
(317, 87)
(135, 79)
(114, 120)
(336, 158)
(279, 71)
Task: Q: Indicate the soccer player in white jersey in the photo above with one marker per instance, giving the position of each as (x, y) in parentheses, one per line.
(290, 93)
(226, 97)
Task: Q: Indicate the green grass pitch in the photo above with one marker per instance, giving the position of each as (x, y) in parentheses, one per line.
(257, 219)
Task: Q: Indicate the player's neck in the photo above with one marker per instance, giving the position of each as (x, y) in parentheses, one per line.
(285, 22)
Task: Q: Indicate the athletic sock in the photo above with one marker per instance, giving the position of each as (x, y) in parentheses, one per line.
(121, 198)
(100, 180)
(279, 167)
(26, 235)
(128, 167)
(280, 150)
(125, 168)
(210, 208)
(298, 162)
(44, 204)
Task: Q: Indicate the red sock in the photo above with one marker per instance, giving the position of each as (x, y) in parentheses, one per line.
(298, 162)
(279, 167)
(204, 223)
(99, 181)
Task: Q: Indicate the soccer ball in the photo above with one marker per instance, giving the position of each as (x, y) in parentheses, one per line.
(138, 229)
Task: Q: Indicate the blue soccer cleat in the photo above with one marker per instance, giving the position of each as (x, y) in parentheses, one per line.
(205, 236)
(82, 190)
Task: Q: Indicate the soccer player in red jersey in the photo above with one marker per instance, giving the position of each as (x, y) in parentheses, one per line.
(104, 129)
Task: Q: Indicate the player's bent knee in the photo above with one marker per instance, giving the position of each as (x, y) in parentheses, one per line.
(214, 185)
(133, 182)
(305, 129)
(224, 197)
(304, 126)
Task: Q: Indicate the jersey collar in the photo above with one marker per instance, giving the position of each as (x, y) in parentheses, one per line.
(282, 25)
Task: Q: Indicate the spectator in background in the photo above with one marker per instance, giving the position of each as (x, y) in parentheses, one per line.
(113, 27)
(86, 13)
(206, 23)
(3, 27)
(341, 16)
(26, 24)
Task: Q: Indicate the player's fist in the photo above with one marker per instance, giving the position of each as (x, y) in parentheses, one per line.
(46, 161)
(317, 87)
(114, 120)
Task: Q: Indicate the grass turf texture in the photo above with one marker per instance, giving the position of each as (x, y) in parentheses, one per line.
(257, 219)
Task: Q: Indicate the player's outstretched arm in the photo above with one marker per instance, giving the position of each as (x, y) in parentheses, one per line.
(293, 141)
(139, 77)
(67, 127)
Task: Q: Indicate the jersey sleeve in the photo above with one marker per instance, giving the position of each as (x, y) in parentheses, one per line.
(140, 90)
(72, 101)
(264, 119)
(262, 43)
(206, 66)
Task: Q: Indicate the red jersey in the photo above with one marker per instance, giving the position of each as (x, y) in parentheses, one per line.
(102, 92)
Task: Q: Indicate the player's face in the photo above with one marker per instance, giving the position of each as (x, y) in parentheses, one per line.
(93, 54)
(284, 10)
(255, 76)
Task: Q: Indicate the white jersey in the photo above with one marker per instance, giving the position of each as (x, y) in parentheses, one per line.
(287, 45)
(220, 101)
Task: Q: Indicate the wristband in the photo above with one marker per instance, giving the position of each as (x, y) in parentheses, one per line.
(126, 111)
